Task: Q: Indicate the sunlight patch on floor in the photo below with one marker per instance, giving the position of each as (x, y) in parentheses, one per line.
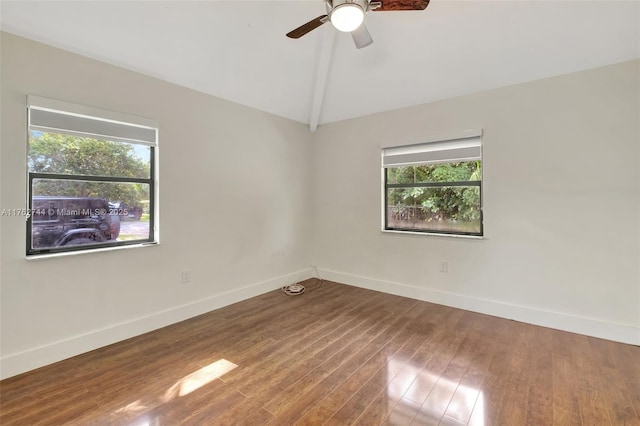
(132, 408)
(199, 378)
(184, 386)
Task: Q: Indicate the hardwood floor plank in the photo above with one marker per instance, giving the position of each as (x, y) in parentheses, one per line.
(378, 409)
(566, 407)
(468, 392)
(248, 413)
(438, 380)
(312, 337)
(626, 359)
(404, 367)
(618, 397)
(59, 409)
(346, 402)
(420, 375)
(450, 421)
(403, 413)
(336, 355)
(487, 407)
(276, 375)
(293, 402)
(206, 412)
(384, 389)
(454, 394)
(590, 395)
(513, 407)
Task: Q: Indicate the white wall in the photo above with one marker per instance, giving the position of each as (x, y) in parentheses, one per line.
(235, 209)
(561, 202)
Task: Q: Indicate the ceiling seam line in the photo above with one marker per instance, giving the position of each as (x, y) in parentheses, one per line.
(322, 75)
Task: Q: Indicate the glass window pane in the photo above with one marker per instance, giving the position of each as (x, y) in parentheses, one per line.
(441, 209)
(77, 212)
(73, 155)
(445, 172)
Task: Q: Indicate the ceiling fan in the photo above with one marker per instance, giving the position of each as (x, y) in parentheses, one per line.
(348, 16)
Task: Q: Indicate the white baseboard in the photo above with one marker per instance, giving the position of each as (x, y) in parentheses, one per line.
(576, 324)
(30, 359)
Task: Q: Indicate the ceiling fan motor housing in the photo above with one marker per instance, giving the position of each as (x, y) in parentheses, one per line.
(332, 4)
(341, 13)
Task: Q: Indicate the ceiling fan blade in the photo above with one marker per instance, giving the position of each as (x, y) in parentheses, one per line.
(309, 26)
(402, 5)
(361, 37)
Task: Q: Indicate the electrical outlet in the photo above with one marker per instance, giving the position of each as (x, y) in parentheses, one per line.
(444, 266)
(186, 276)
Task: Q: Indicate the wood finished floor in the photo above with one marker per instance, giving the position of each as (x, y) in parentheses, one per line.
(336, 355)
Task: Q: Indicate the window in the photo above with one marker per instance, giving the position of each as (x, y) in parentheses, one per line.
(434, 187)
(91, 177)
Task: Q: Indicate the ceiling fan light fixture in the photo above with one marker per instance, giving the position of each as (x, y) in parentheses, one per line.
(347, 17)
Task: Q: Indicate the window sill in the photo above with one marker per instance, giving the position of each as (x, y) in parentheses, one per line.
(81, 252)
(471, 237)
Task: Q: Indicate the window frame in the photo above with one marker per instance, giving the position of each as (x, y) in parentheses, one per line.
(386, 186)
(38, 103)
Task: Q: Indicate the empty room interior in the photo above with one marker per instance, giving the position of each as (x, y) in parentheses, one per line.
(320, 212)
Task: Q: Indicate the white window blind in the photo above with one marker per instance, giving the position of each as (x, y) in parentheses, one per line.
(49, 115)
(450, 151)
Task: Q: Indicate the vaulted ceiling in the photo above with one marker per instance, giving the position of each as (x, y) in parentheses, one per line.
(237, 50)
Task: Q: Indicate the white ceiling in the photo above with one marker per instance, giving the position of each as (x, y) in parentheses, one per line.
(237, 50)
